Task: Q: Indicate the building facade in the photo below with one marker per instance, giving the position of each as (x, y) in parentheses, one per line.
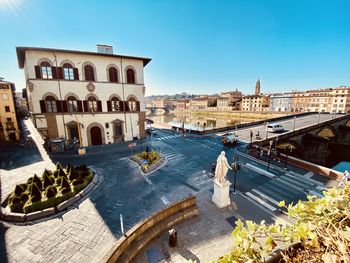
(340, 100)
(255, 103)
(9, 130)
(227, 101)
(96, 97)
(281, 102)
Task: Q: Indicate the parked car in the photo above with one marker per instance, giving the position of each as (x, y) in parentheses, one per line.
(229, 139)
(152, 131)
(276, 127)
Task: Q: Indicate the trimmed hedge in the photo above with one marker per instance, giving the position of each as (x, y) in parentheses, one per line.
(50, 190)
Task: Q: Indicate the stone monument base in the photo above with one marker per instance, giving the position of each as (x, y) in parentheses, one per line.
(221, 196)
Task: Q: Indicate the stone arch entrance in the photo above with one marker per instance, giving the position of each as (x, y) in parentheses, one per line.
(95, 134)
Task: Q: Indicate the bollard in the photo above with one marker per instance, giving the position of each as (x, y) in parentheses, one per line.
(172, 238)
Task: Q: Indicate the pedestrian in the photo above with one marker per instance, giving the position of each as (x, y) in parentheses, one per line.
(345, 178)
(213, 167)
(261, 153)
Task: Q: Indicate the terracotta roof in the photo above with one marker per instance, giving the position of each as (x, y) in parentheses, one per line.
(21, 54)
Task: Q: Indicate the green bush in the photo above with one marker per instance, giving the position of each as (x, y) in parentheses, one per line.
(37, 181)
(15, 200)
(35, 194)
(50, 191)
(65, 190)
(58, 166)
(39, 194)
(77, 181)
(19, 190)
(24, 197)
(69, 168)
(29, 180)
(64, 183)
(73, 175)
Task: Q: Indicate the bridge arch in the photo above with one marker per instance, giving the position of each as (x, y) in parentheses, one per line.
(328, 132)
(296, 149)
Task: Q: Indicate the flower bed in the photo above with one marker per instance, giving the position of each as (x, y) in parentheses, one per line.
(51, 189)
(148, 161)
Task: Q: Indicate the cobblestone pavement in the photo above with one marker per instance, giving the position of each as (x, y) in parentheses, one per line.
(89, 229)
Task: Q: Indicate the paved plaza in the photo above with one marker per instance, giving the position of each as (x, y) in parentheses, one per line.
(89, 229)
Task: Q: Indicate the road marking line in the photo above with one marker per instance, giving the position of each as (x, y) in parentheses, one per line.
(296, 182)
(291, 173)
(260, 171)
(282, 181)
(312, 192)
(268, 206)
(266, 197)
(309, 174)
(164, 200)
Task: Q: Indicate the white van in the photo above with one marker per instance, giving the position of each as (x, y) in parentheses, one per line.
(275, 127)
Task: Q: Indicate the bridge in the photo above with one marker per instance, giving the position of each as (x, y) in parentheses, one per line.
(325, 143)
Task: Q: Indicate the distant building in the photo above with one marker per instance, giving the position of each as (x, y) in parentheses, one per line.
(255, 103)
(182, 104)
(281, 102)
(228, 101)
(200, 103)
(340, 100)
(98, 96)
(9, 130)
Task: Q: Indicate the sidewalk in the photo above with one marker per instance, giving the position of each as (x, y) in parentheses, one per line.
(10, 178)
(207, 236)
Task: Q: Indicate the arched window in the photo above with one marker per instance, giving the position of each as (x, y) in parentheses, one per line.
(113, 74)
(89, 73)
(72, 104)
(132, 104)
(68, 73)
(51, 104)
(130, 76)
(46, 70)
(115, 102)
(92, 104)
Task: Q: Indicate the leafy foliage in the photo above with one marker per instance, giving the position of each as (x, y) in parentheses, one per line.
(321, 226)
(49, 190)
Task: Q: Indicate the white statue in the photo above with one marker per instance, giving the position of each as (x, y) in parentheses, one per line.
(222, 167)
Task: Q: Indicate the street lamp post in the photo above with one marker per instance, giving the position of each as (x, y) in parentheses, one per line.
(319, 115)
(269, 155)
(236, 168)
(251, 136)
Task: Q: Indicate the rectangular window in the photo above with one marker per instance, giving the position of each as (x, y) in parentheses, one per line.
(68, 73)
(5, 96)
(7, 108)
(8, 119)
(46, 72)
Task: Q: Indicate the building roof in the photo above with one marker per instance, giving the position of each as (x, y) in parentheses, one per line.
(21, 54)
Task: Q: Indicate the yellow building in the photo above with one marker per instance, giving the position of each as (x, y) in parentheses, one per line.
(9, 131)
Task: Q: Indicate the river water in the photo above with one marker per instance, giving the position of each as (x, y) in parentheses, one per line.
(194, 121)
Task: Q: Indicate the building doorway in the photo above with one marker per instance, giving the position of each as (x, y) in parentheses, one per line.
(12, 137)
(96, 136)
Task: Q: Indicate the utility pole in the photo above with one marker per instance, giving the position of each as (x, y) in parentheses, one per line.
(295, 117)
(269, 155)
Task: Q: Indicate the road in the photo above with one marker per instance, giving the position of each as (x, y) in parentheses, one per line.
(188, 171)
(289, 125)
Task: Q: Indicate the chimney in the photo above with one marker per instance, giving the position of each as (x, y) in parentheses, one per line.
(104, 49)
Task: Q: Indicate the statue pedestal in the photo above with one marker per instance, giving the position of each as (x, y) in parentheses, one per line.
(221, 196)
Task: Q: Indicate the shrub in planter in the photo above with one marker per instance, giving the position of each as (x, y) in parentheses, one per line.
(50, 191)
(77, 181)
(58, 166)
(19, 190)
(69, 168)
(73, 175)
(15, 200)
(55, 173)
(35, 194)
(59, 180)
(62, 173)
(24, 197)
(16, 205)
(46, 173)
(65, 190)
(29, 180)
(64, 183)
(47, 181)
(37, 181)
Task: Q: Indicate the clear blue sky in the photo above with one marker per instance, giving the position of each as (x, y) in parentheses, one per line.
(196, 46)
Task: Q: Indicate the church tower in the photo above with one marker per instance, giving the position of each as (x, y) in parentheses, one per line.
(257, 87)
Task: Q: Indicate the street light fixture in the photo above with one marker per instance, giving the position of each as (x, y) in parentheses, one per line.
(295, 117)
(269, 155)
(236, 167)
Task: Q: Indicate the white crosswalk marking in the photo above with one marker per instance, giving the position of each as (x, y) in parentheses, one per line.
(262, 202)
(168, 137)
(266, 197)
